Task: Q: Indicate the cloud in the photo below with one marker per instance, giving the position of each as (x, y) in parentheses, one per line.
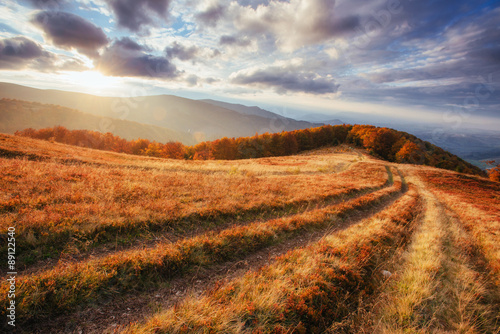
(182, 52)
(287, 78)
(254, 3)
(437, 56)
(210, 80)
(19, 53)
(211, 16)
(319, 21)
(234, 40)
(74, 65)
(463, 51)
(136, 15)
(294, 23)
(48, 4)
(126, 58)
(70, 31)
(129, 44)
(192, 80)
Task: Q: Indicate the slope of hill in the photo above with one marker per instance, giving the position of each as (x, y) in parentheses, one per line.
(203, 120)
(263, 113)
(472, 145)
(245, 109)
(386, 143)
(19, 115)
(331, 240)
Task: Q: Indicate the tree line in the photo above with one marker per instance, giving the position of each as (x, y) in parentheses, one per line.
(388, 144)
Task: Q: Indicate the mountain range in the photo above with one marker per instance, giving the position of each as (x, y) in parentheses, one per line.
(165, 118)
(17, 115)
(182, 119)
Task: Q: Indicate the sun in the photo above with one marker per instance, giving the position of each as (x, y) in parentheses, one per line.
(93, 82)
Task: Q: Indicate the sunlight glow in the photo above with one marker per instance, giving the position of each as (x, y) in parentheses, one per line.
(93, 82)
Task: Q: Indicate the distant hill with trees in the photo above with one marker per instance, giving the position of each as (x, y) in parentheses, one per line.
(388, 144)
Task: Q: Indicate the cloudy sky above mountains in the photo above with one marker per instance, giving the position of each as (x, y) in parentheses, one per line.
(418, 59)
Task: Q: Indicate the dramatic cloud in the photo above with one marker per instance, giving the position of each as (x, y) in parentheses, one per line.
(295, 23)
(19, 53)
(138, 14)
(129, 44)
(211, 15)
(70, 31)
(16, 53)
(283, 79)
(126, 58)
(182, 52)
(48, 4)
(463, 52)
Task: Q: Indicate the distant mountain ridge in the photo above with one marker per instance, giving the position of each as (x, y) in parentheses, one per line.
(198, 119)
(16, 115)
(242, 109)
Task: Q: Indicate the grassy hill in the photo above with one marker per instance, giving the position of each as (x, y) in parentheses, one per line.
(389, 144)
(326, 241)
(18, 115)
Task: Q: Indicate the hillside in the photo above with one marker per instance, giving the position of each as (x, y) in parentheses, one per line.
(202, 120)
(250, 110)
(18, 115)
(471, 145)
(389, 144)
(326, 241)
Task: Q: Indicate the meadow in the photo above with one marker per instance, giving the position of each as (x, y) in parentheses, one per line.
(331, 240)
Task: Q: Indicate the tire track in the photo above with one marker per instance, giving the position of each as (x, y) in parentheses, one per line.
(297, 272)
(105, 239)
(436, 288)
(192, 228)
(202, 277)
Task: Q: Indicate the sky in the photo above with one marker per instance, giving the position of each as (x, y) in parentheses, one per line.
(416, 60)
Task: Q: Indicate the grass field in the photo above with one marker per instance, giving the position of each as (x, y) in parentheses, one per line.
(328, 241)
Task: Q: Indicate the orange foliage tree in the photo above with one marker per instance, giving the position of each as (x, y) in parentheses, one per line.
(494, 174)
(381, 142)
(408, 152)
(202, 151)
(387, 143)
(173, 150)
(224, 149)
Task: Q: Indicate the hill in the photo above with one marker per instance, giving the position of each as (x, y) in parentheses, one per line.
(472, 145)
(18, 115)
(330, 240)
(389, 144)
(202, 120)
(253, 111)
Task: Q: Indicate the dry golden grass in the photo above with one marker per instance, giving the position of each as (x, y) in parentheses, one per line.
(304, 291)
(93, 197)
(477, 203)
(326, 160)
(120, 225)
(435, 289)
(69, 285)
